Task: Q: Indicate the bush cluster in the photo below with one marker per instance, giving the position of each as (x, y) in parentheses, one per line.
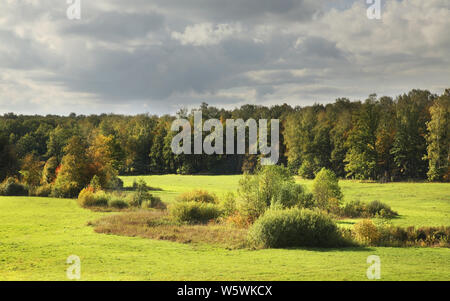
(367, 233)
(356, 209)
(142, 197)
(377, 208)
(294, 228)
(65, 189)
(228, 204)
(94, 196)
(292, 195)
(194, 212)
(88, 197)
(270, 186)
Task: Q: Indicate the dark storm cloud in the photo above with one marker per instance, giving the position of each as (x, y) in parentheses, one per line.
(234, 10)
(116, 25)
(160, 54)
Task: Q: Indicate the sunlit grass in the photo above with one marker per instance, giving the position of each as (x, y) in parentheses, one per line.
(38, 234)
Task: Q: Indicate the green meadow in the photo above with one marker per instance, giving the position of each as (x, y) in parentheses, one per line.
(38, 234)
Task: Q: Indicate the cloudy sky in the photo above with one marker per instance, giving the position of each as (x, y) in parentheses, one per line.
(157, 56)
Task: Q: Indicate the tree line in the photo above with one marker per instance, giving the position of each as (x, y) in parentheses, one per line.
(381, 139)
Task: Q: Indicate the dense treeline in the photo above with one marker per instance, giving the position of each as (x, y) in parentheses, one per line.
(380, 138)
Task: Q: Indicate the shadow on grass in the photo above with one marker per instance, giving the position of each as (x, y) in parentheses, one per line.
(334, 249)
(130, 188)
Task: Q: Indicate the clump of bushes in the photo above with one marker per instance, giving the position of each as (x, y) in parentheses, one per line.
(270, 186)
(356, 209)
(368, 233)
(394, 236)
(198, 195)
(291, 195)
(377, 208)
(94, 196)
(12, 187)
(65, 189)
(194, 212)
(143, 198)
(88, 197)
(118, 204)
(153, 202)
(295, 228)
(228, 204)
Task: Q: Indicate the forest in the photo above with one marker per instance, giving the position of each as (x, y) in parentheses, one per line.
(381, 139)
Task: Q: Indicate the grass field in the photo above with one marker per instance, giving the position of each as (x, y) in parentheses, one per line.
(38, 234)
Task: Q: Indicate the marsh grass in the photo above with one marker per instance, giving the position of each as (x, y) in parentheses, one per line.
(157, 224)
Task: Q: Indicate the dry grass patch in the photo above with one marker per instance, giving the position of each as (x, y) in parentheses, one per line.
(157, 224)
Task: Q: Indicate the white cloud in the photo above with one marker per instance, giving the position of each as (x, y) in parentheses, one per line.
(206, 33)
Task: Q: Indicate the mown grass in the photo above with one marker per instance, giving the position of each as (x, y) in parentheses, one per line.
(38, 234)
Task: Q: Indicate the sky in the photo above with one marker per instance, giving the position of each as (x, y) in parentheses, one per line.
(157, 56)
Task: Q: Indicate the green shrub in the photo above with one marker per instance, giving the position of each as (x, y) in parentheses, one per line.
(269, 184)
(89, 198)
(294, 228)
(194, 212)
(228, 204)
(12, 187)
(292, 195)
(354, 209)
(63, 189)
(153, 202)
(119, 204)
(44, 190)
(387, 235)
(144, 199)
(202, 196)
(326, 190)
(141, 195)
(366, 232)
(377, 208)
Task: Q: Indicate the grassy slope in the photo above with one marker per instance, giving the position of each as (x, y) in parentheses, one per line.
(38, 234)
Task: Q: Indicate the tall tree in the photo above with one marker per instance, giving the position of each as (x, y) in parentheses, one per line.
(362, 156)
(31, 170)
(409, 146)
(438, 138)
